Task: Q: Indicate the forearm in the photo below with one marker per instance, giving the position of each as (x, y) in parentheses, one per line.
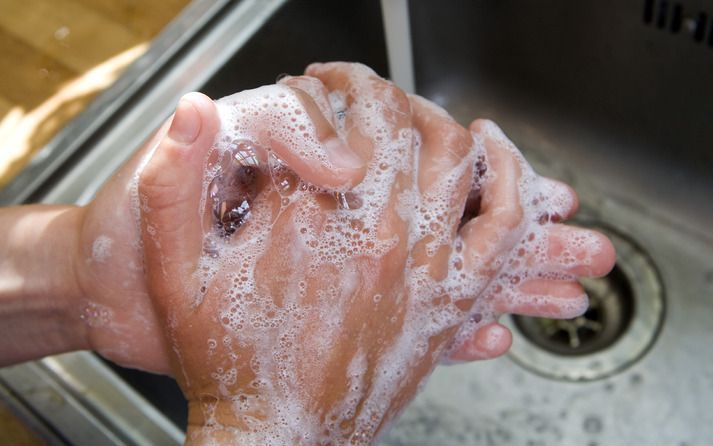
(39, 295)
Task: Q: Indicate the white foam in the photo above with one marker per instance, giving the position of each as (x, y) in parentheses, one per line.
(101, 248)
(95, 315)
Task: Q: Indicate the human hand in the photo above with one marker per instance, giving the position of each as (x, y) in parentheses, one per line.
(538, 260)
(336, 330)
(320, 312)
(119, 319)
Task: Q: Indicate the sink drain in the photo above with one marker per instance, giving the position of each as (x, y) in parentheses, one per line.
(624, 316)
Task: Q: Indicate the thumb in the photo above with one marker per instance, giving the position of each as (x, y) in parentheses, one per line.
(170, 189)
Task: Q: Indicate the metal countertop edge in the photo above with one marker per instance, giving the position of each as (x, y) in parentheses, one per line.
(70, 139)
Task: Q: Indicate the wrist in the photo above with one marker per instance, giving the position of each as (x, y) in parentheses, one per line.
(39, 291)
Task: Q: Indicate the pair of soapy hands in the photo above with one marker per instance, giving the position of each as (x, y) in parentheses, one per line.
(136, 299)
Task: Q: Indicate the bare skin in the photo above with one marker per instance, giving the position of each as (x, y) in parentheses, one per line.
(173, 231)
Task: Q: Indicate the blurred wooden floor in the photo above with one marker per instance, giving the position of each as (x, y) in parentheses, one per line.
(14, 432)
(56, 55)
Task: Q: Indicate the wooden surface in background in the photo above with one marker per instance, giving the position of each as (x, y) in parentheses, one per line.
(45, 45)
(14, 432)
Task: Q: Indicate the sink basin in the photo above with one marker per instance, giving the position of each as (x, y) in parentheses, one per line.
(597, 95)
(611, 97)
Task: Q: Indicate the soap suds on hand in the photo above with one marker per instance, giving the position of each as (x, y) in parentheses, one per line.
(101, 248)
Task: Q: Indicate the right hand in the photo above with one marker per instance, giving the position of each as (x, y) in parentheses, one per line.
(537, 260)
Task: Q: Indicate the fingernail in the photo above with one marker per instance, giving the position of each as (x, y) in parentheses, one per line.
(341, 155)
(186, 124)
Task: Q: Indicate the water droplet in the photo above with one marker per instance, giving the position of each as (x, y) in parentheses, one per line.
(233, 189)
(210, 247)
(284, 179)
(348, 200)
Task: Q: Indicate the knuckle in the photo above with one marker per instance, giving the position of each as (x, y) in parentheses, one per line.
(157, 190)
(308, 84)
(510, 217)
(480, 125)
(457, 139)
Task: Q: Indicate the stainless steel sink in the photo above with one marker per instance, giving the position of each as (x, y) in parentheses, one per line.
(614, 97)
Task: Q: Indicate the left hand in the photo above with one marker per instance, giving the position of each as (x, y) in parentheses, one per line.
(120, 320)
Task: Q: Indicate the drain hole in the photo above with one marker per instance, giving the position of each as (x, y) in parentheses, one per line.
(611, 309)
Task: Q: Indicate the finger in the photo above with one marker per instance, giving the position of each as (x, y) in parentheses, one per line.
(445, 171)
(365, 94)
(342, 76)
(487, 342)
(577, 251)
(170, 189)
(559, 299)
(496, 229)
(344, 167)
(289, 122)
(375, 117)
(444, 145)
(558, 199)
(373, 110)
(316, 90)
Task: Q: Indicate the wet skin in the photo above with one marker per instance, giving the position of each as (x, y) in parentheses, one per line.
(171, 188)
